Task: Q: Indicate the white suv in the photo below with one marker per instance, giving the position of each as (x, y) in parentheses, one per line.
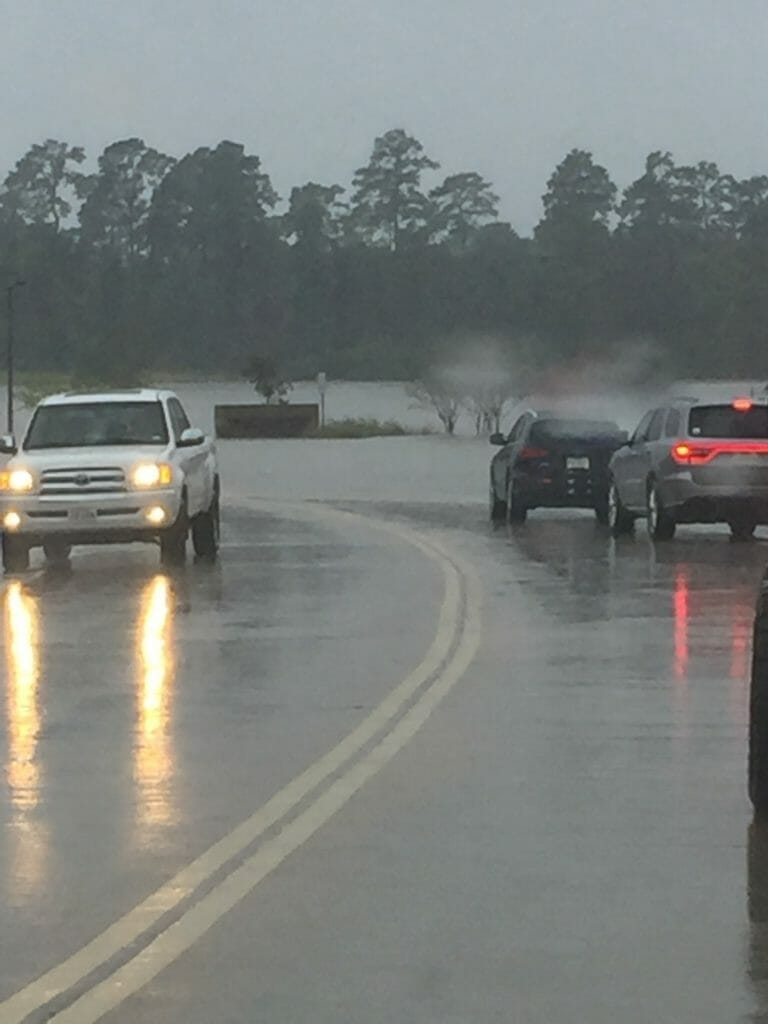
(109, 468)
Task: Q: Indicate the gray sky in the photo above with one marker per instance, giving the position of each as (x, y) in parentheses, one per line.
(504, 87)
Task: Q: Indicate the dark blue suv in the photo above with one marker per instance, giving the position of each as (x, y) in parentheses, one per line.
(550, 461)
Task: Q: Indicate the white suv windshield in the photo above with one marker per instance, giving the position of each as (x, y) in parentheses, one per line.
(88, 424)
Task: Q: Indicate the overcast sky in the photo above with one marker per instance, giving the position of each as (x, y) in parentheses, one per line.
(504, 87)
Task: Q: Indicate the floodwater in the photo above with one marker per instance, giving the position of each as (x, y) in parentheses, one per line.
(565, 838)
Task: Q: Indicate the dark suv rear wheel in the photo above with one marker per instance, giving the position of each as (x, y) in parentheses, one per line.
(620, 522)
(497, 508)
(661, 526)
(516, 512)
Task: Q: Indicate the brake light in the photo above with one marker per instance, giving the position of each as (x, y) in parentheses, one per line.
(528, 453)
(694, 454)
(698, 454)
(742, 404)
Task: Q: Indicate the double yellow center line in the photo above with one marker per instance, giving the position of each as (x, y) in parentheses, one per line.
(132, 951)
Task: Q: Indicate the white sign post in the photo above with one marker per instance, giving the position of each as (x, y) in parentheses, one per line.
(322, 385)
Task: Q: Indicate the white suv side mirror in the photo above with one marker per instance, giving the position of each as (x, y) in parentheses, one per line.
(8, 445)
(191, 437)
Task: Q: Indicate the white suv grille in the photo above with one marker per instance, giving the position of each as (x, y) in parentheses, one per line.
(89, 480)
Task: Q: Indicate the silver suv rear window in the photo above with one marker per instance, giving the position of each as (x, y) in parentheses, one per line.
(725, 421)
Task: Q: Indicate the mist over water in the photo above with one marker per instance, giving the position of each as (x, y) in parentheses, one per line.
(429, 469)
(619, 387)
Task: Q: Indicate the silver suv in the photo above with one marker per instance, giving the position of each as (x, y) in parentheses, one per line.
(693, 461)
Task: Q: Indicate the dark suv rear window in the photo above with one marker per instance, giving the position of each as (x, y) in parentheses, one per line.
(725, 421)
(555, 430)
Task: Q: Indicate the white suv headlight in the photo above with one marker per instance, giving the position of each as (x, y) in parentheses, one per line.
(151, 474)
(17, 481)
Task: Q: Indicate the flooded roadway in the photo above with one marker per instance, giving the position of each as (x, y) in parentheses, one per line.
(566, 838)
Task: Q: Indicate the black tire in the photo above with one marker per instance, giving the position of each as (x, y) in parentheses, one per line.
(497, 508)
(742, 529)
(517, 513)
(661, 526)
(601, 513)
(56, 552)
(15, 554)
(173, 541)
(757, 872)
(758, 709)
(620, 521)
(205, 531)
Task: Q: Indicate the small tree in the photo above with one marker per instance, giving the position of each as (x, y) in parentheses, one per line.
(267, 381)
(441, 395)
(488, 373)
(486, 404)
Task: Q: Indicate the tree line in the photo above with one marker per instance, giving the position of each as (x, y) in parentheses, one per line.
(196, 264)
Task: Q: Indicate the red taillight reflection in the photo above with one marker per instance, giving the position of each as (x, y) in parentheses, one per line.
(529, 453)
(742, 404)
(681, 598)
(740, 644)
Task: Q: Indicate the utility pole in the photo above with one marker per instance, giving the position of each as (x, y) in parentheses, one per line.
(322, 384)
(9, 353)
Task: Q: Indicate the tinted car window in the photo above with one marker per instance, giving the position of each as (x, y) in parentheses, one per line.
(516, 430)
(725, 421)
(545, 430)
(654, 428)
(179, 420)
(642, 429)
(85, 424)
(673, 423)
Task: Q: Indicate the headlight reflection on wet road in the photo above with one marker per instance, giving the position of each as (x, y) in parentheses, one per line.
(22, 652)
(154, 754)
(26, 873)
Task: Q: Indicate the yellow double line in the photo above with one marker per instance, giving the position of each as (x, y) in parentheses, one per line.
(87, 987)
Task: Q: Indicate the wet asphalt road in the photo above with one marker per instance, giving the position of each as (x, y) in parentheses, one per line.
(566, 839)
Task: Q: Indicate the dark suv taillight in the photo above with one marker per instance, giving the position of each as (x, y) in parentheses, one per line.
(529, 454)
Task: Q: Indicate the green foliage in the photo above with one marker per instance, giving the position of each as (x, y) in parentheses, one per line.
(185, 266)
(115, 213)
(34, 387)
(580, 192)
(263, 373)
(36, 189)
(388, 207)
(461, 205)
(315, 216)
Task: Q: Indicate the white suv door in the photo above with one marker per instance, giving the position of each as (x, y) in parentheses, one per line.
(191, 460)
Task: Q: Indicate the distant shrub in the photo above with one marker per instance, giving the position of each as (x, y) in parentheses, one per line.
(356, 428)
